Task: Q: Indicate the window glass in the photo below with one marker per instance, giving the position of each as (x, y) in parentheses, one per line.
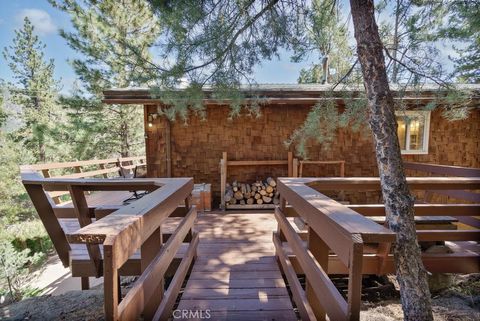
(402, 131)
(416, 133)
(412, 131)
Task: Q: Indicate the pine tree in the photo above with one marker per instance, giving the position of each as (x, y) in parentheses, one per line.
(408, 35)
(35, 90)
(328, 36)
(113, 37)
(463, 24)
(14, 205)
(221, 42)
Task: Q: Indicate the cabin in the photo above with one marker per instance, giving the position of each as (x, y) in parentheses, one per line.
(250, 146)
(274, 259)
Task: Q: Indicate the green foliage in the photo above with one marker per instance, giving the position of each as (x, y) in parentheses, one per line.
(115, 41)
(14, 203)
(407, 31)
(327, 35)
(463, 24)
(35, 90)
(28, 235)
(14, 269)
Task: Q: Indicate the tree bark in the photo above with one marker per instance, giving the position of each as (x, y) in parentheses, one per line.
(411, 274)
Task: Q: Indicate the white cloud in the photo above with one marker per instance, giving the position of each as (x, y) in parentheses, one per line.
(40, 19)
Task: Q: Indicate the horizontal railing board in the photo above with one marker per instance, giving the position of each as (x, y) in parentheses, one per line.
(89, 173)
(456, 235)
(164, 200)
(60, 165)
(314, 206)
(421, 209)
(373, 183)
(443, 169)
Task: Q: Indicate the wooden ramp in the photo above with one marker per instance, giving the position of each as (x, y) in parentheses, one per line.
(236, 276)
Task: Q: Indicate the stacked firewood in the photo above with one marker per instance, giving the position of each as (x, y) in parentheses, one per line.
(260, 192)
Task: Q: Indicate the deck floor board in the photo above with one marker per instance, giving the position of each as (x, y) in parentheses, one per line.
(235, 275)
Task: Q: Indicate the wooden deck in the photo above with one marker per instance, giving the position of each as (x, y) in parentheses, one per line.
(235, 275)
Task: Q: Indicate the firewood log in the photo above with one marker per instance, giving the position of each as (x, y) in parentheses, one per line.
(243, 188)
(258, 196)
(242, 202)
(259, 201)
(269, 189)
(270, 194)
(233, 201)
(254, 188)
(235, 188)
(266, 199)
(238, 195)
(271, 182)
(250, 201)
(263, 192)
(249, 189)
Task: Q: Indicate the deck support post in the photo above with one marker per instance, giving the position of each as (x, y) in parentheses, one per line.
(355, 278)
(85, 281)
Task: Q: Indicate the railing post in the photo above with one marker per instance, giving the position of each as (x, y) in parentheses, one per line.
(110, 280)
(149, 250)
(320, 251)
(355, 278)
(282, 205)
(295, 167)
(223, 179)
(102, 166)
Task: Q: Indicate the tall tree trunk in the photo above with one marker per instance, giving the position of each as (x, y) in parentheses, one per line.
(411, 273)
(396, 42)
(325, 67)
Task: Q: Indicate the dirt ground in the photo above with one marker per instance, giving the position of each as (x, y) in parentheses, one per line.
(460, 302)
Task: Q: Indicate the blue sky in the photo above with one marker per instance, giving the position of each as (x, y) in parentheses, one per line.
(48, 21)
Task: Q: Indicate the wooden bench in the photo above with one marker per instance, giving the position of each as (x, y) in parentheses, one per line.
(343, 239)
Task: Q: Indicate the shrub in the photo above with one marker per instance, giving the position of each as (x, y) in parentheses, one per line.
(28, 235)
(14, 268)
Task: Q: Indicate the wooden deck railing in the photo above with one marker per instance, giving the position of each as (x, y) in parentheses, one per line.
(138, 226)
(342, 239)
(446, 170)
(123, 230)
(106, 168)
(331, 226)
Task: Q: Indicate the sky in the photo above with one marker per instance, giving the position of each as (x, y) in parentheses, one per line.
(48, 21)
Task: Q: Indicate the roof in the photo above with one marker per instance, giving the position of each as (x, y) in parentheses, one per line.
(283, 93)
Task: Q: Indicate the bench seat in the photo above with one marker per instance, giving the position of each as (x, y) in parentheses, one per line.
(81, 265)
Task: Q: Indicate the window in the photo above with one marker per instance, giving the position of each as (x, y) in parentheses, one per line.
(413, 129)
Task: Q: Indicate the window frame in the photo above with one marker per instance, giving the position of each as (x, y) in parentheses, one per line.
(426, 132)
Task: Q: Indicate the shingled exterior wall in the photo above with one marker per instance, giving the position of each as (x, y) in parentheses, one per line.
(198, 145)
